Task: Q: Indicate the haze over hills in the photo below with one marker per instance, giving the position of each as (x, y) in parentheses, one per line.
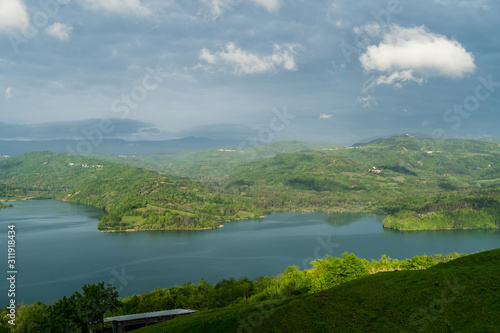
(111, 146)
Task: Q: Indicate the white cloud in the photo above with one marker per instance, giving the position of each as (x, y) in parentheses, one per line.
(269, 5)
(121, 7)
(234, 59)
(208, 57)
(60, 31)
(367, 101)
(217, 8)
(414, 54)
(397, 80)
(325, 116)
(13, 15)
(8, 93)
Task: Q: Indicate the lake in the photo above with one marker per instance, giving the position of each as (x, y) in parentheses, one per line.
(59, 248)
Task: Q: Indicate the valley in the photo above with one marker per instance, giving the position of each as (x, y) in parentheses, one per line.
(419, 183)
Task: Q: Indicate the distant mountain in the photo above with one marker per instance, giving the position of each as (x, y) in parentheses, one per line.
(112, 146)
(378, 138)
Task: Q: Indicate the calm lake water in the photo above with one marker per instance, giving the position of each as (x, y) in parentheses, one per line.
(59, 248)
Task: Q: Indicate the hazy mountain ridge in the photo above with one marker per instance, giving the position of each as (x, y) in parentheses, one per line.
(111, 146)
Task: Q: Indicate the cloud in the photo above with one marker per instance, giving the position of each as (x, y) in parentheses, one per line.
(217, 8)
(367, 101)
(396, 79)
(60, 31)
(121, 7)
(325, 116)
(269, 5)
(235, 60)
(13, 15)
(8, 93)
(414, 54)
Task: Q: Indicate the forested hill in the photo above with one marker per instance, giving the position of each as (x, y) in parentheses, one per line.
(374, 177)
(130, 198)
(388, 165)
(214, 165)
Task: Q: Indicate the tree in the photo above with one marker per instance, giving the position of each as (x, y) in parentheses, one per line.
(95, 301)
(31, 318)
(80, 312)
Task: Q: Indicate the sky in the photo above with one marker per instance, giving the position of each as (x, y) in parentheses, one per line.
(263, 70)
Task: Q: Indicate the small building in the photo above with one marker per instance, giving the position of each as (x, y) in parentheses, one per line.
(122, 324)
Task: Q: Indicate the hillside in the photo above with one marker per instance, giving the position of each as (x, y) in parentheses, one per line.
(213, 165)
(130, 198)
(458, 296)
(445, 164)
(375, 177)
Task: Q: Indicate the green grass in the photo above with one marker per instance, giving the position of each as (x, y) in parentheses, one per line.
(133, 220)
(462, 295)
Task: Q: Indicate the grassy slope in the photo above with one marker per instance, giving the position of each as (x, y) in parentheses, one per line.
(459, 296)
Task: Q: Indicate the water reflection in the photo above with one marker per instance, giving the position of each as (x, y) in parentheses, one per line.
(64, 238)
(340, 220)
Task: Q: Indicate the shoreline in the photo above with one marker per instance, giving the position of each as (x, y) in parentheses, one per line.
(440, 229)
(174, 229)
(257, 217)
